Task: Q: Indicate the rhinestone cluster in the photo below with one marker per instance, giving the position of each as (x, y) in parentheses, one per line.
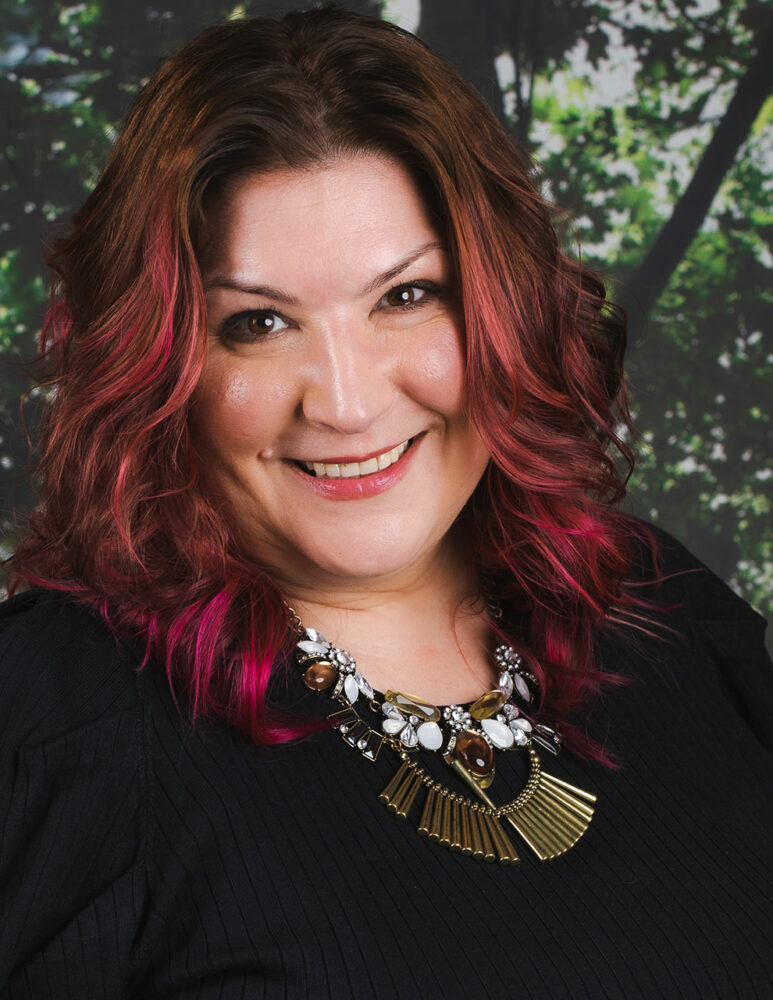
(457, 718)
(469, 733)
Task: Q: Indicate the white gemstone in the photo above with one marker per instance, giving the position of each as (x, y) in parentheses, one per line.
(510, 711)
(519, 736)
(390, 710)
(315, 636)
(350, 688)
(392, 726)
(505, 684)
(363, 685)
(430, 735)
(408, 736)
(498, 733)
(522, 688)
(312, 648)
(523, 724)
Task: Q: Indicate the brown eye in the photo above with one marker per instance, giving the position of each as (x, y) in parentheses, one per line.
(402, 296)
(406, 296)
(262, 322)
(256, 324)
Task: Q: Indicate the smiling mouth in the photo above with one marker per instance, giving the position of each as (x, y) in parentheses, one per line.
(354, 470)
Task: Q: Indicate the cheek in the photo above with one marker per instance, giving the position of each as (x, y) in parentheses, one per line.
(436, 372)
(438, 382)
(236, 408)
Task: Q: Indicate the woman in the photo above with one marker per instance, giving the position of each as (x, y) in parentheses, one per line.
(321, 370)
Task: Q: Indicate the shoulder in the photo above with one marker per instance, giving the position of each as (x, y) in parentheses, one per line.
(724, 638)
(61, 668)
(72, 791)
(670, 575)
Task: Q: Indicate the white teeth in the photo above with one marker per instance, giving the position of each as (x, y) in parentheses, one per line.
(366, 468)
(350, 470)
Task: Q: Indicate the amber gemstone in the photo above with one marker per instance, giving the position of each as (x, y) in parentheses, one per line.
(474, 752)
(411, 704)
(487, 705)
(320, 675)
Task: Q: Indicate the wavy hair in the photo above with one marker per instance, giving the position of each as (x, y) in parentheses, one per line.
(125, 522)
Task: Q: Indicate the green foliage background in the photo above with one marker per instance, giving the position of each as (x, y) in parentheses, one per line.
(618, 102)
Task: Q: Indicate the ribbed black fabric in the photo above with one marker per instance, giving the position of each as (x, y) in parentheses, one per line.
(142, 858)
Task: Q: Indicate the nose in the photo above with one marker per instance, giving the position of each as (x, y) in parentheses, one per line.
(349, 384)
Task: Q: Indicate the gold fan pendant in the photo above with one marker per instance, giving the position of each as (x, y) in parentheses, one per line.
(550, 815)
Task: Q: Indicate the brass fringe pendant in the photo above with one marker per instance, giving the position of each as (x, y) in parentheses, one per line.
(554, 818)
(550, 815)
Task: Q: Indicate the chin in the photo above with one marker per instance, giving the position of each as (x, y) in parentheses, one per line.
(369, 557)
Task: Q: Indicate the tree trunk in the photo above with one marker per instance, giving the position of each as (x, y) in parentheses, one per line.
(463, 34)
(645, 286)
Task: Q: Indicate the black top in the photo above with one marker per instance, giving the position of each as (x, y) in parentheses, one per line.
(142, 858)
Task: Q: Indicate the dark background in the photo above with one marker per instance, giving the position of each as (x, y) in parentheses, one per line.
(651, 126)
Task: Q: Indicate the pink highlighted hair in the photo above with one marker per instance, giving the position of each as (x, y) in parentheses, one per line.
(125, 521)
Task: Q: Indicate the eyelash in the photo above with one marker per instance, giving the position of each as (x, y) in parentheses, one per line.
(232, 328)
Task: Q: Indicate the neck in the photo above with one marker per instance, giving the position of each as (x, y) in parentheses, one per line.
(426, 633)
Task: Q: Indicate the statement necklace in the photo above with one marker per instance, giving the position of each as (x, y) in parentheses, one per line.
(549, 814)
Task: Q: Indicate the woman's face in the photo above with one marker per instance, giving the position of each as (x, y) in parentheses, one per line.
(330, 411)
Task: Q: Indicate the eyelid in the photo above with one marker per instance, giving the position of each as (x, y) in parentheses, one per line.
(231, 323)
(424, 285)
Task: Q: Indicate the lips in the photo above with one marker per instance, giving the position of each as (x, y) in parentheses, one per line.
(359, 487)
(355, 470)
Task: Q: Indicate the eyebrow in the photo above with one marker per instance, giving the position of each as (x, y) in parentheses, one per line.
(398, 268)
(279, 295)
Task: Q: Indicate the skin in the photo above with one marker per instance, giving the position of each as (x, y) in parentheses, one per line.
(323, 264)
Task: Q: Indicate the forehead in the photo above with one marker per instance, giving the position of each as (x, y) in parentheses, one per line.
(336, 223)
